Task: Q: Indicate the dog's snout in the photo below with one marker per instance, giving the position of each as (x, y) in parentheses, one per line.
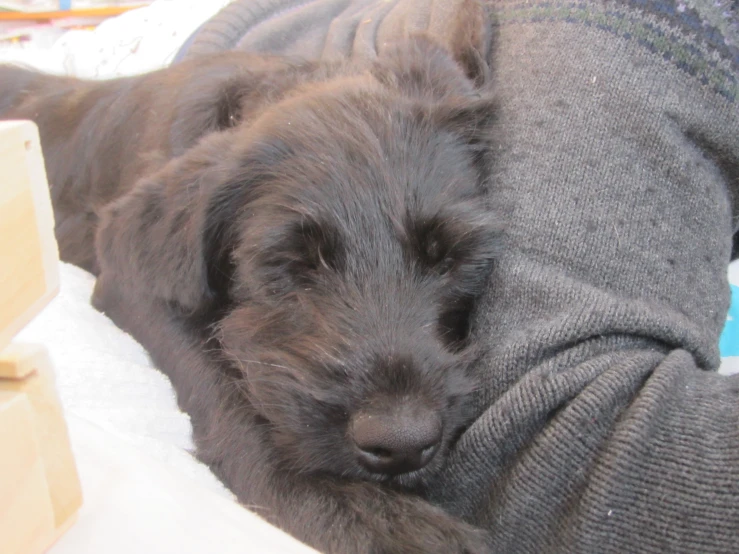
(396, 443)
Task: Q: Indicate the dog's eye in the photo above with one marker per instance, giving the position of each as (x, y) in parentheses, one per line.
(435, 250)
(316, 258)
(319, 247)
(445, 265)
(454, 324)
(316, 255)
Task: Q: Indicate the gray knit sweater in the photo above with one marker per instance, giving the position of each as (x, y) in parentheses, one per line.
(602, 425)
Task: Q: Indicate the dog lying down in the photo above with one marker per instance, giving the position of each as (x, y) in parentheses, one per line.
(299, 246)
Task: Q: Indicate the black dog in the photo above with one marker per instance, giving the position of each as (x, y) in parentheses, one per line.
(299, 246)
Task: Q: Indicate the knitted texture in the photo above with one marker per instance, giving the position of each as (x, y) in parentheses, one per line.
(603, 427)
(602, 424)
(325, 29)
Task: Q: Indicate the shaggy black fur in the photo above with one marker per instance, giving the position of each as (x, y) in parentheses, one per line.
(297, 245)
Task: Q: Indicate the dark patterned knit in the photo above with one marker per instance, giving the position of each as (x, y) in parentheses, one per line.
(603, 426)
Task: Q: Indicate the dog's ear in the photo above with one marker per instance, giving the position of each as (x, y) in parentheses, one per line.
(473, 121)
(171, 236)
(471, 40)
(436, 66)
(421, 68)
(218, 93)
(206, 105)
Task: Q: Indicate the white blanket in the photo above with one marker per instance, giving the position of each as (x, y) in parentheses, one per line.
(105, 377)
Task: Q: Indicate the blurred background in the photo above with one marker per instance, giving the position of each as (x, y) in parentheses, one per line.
(98, 39)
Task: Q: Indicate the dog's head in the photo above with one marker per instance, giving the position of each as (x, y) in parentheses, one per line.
(343, 239)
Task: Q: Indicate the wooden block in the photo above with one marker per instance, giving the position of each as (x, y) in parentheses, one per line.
(60, 470)
(26, 514)
(40, 492)
(17, 361)
(29, 268)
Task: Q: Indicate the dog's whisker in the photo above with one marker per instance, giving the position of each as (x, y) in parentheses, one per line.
(260, 362)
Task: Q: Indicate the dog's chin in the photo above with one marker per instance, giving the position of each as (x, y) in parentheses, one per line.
(412, 480)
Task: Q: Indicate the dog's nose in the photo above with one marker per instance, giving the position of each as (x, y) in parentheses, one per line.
(395, 444)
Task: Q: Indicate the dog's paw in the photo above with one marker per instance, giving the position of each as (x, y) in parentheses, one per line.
(354, 517)
(108, 298)
(103, 295)
(385, 522)
(429, 530)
